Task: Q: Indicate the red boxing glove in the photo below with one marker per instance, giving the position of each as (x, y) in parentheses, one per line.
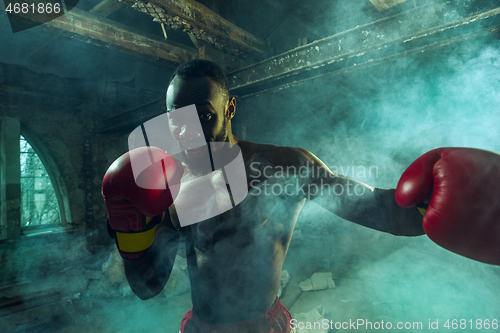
(137, 188)
(463, 215)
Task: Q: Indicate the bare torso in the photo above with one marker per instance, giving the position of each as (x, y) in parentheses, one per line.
(235, 259)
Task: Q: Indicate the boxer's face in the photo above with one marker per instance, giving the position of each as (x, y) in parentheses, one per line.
(214, 111)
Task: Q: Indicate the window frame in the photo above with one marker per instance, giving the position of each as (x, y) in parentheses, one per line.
(59, 188)
(11, 130)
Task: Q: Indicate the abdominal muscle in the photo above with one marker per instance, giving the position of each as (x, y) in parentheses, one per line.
(231, 284)
(235, 259)
(235, 266)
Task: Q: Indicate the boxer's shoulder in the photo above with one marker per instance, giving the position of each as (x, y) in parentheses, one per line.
(274, 155)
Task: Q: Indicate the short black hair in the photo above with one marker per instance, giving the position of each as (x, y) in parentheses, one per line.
(196, 68)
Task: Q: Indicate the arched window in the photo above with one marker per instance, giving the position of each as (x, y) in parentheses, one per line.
(39, 204)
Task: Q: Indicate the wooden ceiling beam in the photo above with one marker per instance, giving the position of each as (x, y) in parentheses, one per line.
(102, 9)
(382, 5)
(106, 8)
(426, 26)
(204, 24)
(81, 25)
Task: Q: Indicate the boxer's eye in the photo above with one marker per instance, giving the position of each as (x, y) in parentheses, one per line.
(205, 117)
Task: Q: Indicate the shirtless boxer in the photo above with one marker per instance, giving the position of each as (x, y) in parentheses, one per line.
(235, 259)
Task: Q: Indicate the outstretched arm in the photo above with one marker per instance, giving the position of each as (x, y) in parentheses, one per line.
(357, 202)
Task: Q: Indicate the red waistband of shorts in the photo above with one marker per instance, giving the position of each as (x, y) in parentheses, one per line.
(275, 320)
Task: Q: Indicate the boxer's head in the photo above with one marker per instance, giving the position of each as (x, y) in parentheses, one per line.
(203, 83)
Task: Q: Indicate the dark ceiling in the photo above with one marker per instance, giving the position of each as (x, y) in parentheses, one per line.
(279, 23)
(262, 44)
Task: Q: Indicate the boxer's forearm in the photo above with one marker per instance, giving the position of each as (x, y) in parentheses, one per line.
(401, 221)
(353, 200)
(379, 210)
(148, 275)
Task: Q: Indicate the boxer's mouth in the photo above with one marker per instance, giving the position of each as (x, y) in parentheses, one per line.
(195, 152)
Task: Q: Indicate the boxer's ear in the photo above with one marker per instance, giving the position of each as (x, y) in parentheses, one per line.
(231, 108)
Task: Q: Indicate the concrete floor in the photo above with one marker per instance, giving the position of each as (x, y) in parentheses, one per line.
(418, 283)
(413, 282)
